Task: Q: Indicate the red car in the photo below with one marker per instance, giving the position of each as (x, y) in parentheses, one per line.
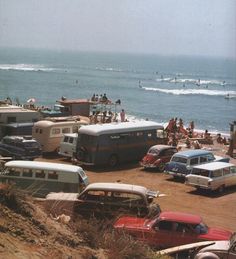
(170, 229)
(157, 156)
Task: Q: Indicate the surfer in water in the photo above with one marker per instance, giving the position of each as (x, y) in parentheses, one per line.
(198, 82)
(139, 84)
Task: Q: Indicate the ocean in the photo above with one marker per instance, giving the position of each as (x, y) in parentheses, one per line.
(149, 86)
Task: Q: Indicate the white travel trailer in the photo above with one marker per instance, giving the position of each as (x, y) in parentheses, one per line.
(49, 133)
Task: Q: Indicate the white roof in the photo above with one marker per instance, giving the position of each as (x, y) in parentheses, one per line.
(213, 166)
(44, 123)
(120, 127)
(43, 165)
(73, 135)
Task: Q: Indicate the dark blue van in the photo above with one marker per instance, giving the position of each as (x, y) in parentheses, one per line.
(181, 163)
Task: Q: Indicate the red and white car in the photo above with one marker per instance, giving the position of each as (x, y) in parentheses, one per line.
(170, 229)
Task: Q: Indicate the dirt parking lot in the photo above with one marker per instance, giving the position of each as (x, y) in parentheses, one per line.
(216, 210)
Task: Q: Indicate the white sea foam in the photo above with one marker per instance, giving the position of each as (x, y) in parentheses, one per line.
(190, 81)
(191, 91)
(111, 69)
(24, 67)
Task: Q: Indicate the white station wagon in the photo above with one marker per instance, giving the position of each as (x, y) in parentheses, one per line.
(212, 176)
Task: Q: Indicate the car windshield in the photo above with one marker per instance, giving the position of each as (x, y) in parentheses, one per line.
(201, 228)
(179, 159)
(153, 151)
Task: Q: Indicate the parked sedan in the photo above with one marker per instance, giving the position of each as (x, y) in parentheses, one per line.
(219, 249)
(20, 147)
(170, 229)
(113, 199)
(157, 156)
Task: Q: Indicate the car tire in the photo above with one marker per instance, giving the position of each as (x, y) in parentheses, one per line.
(161, 167)
(113, 160)
(221, 189)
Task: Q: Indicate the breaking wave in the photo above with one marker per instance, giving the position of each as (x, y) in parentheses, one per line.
(190, 91)
(25, 67)
(191, 81)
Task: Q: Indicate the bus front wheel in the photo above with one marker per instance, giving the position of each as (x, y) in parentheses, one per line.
(113, 160)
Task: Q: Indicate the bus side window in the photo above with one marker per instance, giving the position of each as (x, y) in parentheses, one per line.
(39, 174)
(52, 175)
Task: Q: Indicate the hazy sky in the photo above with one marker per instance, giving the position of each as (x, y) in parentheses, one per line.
(180, 27)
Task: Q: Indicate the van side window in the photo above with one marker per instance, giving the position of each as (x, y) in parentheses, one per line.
(203, 159)
(216, 173)
(39, 174)
(194, 161)
(52, 175)
(66, 139)
(71, 140)
(14, 172)
(27, 173)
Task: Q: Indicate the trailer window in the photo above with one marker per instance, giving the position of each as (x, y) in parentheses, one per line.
(65, 130)
(56, 131)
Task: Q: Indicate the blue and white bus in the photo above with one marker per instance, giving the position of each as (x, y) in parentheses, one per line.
(115, 143)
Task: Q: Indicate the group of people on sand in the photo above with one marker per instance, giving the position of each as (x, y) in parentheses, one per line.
(175, 130)
(107, 117)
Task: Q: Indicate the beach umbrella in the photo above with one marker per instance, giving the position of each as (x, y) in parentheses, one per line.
(31, 100)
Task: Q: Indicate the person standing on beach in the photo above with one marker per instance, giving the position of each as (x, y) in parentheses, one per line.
(122, 115)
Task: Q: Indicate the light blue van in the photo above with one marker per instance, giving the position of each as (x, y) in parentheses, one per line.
(182, 163)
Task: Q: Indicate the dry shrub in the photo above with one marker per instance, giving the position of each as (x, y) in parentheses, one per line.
(119, 245)
(123, 246)
(16, 200)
